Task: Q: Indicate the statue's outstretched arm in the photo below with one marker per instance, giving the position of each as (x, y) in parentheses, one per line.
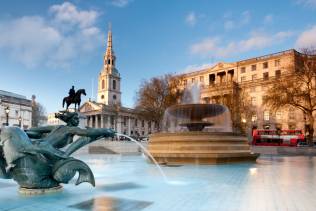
(36, 132)
(93, 133)
(89, 135)
(42, 129)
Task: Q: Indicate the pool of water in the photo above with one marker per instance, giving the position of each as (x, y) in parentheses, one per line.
(129, 183)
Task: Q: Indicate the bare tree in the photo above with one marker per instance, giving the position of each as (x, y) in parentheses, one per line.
(156, 95)
(38, 113)
(297, 89)
(239, 105)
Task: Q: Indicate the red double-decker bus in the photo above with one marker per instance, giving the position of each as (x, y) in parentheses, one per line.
(277, 137)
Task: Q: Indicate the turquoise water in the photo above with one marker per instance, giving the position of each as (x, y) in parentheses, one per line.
(130, 183)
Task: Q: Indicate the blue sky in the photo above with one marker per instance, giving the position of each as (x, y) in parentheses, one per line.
(47, 46)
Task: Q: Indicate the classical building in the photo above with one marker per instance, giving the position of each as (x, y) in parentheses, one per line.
(15, 110)
(107, 111)
(254, 76)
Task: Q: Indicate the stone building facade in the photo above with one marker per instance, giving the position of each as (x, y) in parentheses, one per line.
(254, 76)
(19, 110)
(107, 111)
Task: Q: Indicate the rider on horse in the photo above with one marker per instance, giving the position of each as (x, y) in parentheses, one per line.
(72, 92)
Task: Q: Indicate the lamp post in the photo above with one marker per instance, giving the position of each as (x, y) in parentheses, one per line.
(7, 111)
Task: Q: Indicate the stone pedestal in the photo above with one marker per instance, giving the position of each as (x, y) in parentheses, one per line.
(199, 148)
(28, 191)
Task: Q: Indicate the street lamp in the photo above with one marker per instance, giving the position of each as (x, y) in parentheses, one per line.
(7, 110)
(20, 121)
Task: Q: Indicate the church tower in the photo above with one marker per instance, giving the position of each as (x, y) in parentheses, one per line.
(109, 84)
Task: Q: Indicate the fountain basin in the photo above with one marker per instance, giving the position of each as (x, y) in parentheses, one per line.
(197, 147)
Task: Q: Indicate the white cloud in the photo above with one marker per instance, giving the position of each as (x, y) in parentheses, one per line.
(243, 19)
(121, 3)
(35, 40)
(268, 19)
(215, 47)
(307, 3)
(191, 19)
(307, 39)
(68, 13)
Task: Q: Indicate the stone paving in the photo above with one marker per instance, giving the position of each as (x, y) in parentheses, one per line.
(130, 183)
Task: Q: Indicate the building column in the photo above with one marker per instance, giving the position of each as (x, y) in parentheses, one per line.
(129, 126)
(102, 122)
(87, 121)
(96, 121)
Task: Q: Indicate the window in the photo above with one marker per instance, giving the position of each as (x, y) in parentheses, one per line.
(243, 78)
(114, 84)
(103, 84)
(149, 124)
(192, 80)
(242, 70)
(265, 65)
(253, 67)
(278, 73)
(254, 117)
(135, 122)
(202, 79)
(211, 79)
(109, 61)
(254, 77)
(114, 97)
(143, 123)
(265, 76)
(102, 97)
(254, 101)
(278, 115)
(277, 62)
(185, 82)
(253, 89)
(266, 115)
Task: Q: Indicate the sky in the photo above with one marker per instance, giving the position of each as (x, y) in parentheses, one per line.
(48, 46)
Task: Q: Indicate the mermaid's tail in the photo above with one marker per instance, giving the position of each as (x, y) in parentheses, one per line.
(65, 170)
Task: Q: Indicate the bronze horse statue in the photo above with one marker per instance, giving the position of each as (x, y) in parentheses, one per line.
(74, 100)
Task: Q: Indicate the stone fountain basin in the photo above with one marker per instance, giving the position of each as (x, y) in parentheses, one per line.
(196, 112)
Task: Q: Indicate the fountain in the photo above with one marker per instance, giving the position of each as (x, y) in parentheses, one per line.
(191, 135)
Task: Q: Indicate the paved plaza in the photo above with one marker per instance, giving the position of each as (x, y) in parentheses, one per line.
(129, 183)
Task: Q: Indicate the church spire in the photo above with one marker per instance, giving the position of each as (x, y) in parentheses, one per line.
(109, 50)
(109, 57)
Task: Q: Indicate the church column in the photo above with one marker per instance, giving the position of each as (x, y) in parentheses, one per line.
(87, 121)
(129, 126)
(102, 123)
(96, 121)
(118, 124)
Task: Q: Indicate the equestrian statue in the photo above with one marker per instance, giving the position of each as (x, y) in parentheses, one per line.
(74, 97)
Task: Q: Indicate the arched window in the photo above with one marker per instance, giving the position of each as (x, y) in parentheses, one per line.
(109, 61)
(114, 97)
(102, 97)
(102, 84)
(114, 84)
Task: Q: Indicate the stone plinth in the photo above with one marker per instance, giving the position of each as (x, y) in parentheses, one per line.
(199, 148)
(39, 191)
